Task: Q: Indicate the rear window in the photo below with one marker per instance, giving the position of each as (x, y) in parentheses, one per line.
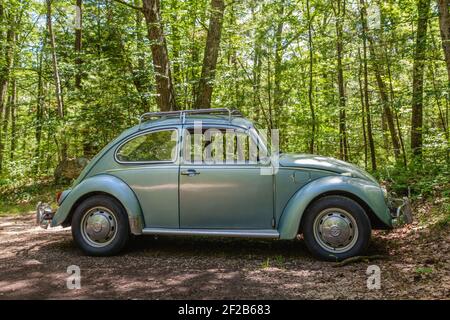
(151, 147)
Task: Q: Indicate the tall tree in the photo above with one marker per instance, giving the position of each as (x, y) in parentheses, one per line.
(57, 80)
(444, 24)
(13, 104)
(163, 76)
(56, 75)
(40, 100)
(278, 63)
(78, 42)
(339, 12)
(8, 53)
(363, 14)
(310, 83)
(423, 7)
(378, 69)
(257, 64)
(363, 111)
(205, 86)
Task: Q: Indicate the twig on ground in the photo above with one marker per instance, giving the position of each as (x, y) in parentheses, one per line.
(358, 259)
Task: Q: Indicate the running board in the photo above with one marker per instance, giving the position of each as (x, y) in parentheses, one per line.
(269, 233)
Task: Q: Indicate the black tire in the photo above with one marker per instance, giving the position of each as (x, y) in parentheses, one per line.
(351, 207)
(122, 234)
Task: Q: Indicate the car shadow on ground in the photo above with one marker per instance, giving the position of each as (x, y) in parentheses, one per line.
(201, 247)
(217, 246)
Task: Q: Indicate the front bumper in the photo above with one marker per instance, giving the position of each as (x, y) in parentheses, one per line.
(44, 215)
(400, 210)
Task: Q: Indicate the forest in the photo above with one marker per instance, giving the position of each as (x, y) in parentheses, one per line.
(365, 81)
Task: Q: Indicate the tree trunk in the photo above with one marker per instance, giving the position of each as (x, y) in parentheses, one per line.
(343, 143)
(205, 86)
(363, 117)
(161, 66)
(5, 74)
(256, 71)
(57, 79)
(368, 115)
(423, 7)
(444, 24)
(387, 112)
(176, 45)
(39, 109)
(13, 119)
(4, 129)
(194, 56)
(437, 94)
(394, 109)
(78, 43)
(269, 95)
(277, 72)
(310, 84)
(377, 67)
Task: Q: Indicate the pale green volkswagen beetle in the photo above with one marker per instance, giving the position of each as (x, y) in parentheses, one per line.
(154, 179)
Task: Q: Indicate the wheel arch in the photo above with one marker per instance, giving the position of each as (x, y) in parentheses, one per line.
(103, 184)
(366, 193)
(375, 221)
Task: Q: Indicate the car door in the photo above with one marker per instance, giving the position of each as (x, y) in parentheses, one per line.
(223, 195)
(148, 163)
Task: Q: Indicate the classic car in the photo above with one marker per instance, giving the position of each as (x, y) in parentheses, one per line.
(145, 183)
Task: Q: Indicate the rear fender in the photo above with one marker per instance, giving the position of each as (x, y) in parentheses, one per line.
(101, 184)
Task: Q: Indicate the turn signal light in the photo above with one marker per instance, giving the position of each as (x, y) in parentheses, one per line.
(58, 196)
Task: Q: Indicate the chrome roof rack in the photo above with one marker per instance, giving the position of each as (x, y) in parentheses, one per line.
(182, 114)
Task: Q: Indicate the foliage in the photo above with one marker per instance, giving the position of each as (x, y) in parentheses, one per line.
(23, 198)
(265, 63)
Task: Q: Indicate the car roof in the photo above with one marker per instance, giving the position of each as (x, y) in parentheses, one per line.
(190, 120)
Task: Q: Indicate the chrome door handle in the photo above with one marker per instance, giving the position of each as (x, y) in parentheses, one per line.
(189, 172)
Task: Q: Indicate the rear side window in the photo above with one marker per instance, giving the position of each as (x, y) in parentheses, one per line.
(154, 146)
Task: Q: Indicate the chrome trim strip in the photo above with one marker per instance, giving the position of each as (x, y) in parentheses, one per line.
(269, 234)
(141, 166)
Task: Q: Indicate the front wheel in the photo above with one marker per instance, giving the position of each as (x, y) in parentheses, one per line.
(336, 228)
(100, 226)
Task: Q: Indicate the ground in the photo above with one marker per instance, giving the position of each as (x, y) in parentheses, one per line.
(33, 264)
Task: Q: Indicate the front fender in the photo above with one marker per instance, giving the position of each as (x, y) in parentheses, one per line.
(367, 191)
(105, 184)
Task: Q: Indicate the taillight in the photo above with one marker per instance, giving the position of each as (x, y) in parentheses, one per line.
(58, 196)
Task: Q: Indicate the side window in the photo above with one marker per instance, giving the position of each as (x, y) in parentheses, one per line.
(154, 146)
(219, 146)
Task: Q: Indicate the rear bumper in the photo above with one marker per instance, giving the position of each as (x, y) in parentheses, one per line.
(401, 211)
(44, 215)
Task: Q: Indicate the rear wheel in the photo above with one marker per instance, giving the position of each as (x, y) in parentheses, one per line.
(100, 226)
(336, 228)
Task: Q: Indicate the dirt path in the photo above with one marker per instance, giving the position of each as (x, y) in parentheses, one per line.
(33, 264)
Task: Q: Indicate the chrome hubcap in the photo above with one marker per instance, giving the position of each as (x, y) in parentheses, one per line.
(99, 227)
(335, 230)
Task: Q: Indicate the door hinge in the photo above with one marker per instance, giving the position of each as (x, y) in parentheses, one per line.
(273, 222)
